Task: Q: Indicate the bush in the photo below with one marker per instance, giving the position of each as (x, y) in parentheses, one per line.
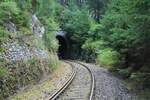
(108, 58)
(13, 76)
(8, 10)
(38, 43)
(77, 24)
(3, 72)
(125, 73)
(53, 61)
(3, 33)
(94, 45)
(26, 31)
(50, 35)
(144, 78)
(22, 20)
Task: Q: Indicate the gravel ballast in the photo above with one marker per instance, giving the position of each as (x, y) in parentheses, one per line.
(109, 87)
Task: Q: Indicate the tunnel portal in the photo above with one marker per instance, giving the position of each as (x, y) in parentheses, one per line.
(63, 46)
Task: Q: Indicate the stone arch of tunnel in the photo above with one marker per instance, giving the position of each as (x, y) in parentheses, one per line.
(63, 47)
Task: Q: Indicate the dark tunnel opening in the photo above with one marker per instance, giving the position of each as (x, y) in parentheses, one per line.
(62, 50)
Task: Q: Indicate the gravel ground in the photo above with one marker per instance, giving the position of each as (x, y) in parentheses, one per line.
(44, 89)
(109, 87)
(80, 87)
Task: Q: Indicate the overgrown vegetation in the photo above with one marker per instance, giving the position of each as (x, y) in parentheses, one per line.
(23, 73)
(125, 27)
(108, 58)
(114, 33)
(17, 14)
(117, 35)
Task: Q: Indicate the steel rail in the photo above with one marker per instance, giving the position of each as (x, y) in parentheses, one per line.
(70, 79)
(65, 85)
(92, 78)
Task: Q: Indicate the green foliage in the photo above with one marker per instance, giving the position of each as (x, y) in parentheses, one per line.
(8, 10)
(119, 40)
(47, 12)
(38, 43)
(49, 7)
(22, 20)
(94, 46)
(25, 31)
(18, 13)
(125, 27)
(50, 35)
(97, 8)
(3, 33)
(77, 23)
(136, 76)
(2, 50)
(23, 73)
(53, 61)
(125, 73)
(3, 72)
(108, 58)
(24, 4)
(51, 42)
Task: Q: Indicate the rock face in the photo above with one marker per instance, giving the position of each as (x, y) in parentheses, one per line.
(37, 28)
(11, 27)
(22, 61)
(17, 52)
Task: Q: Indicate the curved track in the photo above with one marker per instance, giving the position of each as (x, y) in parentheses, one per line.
(66, 84)
(93, 81)
(79, 86)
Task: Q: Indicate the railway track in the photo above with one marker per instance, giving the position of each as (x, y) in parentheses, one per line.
(79, 86)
